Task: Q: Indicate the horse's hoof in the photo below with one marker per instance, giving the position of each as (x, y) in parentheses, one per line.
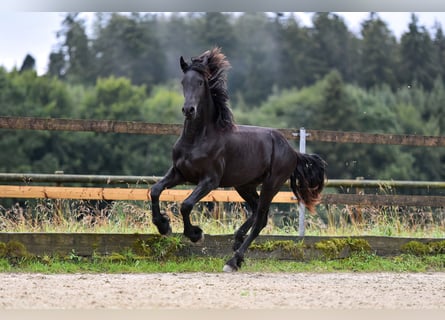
(228, 268)
(169, 231)
(202, 239)
(196, 234)
(163, 225)
(165, 229)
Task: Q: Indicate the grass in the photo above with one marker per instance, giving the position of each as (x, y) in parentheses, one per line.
(354, 263)
(135, 217)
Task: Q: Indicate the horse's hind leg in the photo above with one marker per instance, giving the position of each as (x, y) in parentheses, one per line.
(162, 221)
(250, 195)
(259, 222)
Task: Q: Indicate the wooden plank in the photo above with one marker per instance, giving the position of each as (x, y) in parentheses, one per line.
(175, 195)
(372, 200)
(137, 127)
(46, 192)
(367, 138)
(103, 126)
(62, 178)
(219, 246)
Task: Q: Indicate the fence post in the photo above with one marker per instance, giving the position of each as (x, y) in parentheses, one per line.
(301, 208)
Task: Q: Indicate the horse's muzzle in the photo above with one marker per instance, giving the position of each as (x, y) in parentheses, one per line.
(189, 112)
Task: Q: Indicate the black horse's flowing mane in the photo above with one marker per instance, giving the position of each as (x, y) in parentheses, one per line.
(213, 65)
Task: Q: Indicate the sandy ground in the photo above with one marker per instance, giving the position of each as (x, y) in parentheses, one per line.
(224, 291)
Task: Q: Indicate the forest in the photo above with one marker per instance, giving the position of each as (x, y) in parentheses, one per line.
(283, 75)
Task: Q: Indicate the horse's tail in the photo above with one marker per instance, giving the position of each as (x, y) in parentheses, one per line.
(308, 179)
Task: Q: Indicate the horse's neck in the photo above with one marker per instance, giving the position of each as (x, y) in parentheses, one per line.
(195, 130)
(199, 127)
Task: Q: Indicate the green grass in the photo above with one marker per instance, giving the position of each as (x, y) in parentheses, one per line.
(135, 217)
(355, 263)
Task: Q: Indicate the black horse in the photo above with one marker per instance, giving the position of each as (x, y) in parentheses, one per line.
(213, 152)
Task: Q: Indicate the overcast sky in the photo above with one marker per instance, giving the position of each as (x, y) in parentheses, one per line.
(35, 32)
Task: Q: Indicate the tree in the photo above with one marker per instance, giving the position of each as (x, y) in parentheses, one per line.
(296, 62)
(332, 47)
(57, 65)
(74, 60)
(417, 56)
(256, 61)
(217, 30)
(26, 94)
(439, 45)
(434, 112)
(335, 112)
(28, 64)
(177, 37)
(127, 46)
(378, 56)
(335, 101)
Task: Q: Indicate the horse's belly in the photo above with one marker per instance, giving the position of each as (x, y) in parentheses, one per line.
(242, 175)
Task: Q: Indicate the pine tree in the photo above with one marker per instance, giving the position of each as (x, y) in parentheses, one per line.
(73, 60)
(378, 56)
(127, 46)
(417, 56)
(332, 46)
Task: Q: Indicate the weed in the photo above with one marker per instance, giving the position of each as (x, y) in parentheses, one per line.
(158, 247)
(46, 215)
(73, 256)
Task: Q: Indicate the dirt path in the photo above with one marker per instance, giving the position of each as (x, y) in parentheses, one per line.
(224, 291)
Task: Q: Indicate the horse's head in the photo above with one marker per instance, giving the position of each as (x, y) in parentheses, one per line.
(205, 90)
(194, 87)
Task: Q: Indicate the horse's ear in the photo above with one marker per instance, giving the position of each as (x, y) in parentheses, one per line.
(184, 65)
(205, 59)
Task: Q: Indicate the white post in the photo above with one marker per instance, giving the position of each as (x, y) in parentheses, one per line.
(301, 209)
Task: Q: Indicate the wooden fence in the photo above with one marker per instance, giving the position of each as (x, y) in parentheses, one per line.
(27, 189)
(132, 127)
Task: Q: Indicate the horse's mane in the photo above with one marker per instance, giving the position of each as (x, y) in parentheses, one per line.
(213, 64)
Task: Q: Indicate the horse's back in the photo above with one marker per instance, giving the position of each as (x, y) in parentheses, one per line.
(252, 152)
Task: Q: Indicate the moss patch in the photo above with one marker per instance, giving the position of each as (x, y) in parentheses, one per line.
(14, 251)
(420, 249)
(341, 248)
(294, 249)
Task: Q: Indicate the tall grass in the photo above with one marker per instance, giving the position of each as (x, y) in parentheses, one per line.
(73, 216)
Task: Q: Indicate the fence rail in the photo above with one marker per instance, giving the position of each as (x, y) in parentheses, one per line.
(150, 180)
(136, 127)
(174, 195)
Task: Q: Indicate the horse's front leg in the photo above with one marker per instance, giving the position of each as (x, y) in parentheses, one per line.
(161, 220)
(194, 233)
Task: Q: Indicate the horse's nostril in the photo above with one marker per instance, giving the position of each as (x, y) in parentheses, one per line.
(188, 111)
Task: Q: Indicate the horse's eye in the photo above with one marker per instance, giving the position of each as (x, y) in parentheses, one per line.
(200, 82)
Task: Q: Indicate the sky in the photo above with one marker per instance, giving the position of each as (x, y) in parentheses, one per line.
(35, 33)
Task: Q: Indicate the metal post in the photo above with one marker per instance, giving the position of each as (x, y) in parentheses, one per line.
(301, 209)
